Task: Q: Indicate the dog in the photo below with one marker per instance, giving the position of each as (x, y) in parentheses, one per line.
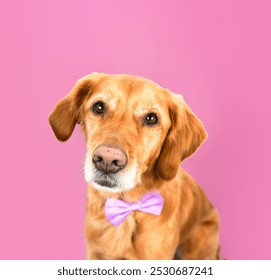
(137, 134)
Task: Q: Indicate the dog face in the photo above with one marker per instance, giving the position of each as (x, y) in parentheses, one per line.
(132, 127)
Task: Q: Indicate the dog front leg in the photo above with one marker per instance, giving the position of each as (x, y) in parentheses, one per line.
(91, 255)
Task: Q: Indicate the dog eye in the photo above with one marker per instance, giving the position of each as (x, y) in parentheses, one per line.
(98, 108)
(151, 119)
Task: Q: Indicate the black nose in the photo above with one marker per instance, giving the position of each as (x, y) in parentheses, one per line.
(109, 159)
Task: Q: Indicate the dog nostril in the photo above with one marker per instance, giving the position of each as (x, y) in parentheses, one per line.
(99, 159)
(115, 162)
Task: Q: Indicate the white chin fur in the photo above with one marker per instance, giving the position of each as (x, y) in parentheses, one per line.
(124, 180)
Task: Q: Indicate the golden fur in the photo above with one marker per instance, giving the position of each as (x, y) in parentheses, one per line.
(188, 225)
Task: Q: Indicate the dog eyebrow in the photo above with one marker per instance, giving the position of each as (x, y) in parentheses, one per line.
(101, 95)
(141, 111)
(110, 101)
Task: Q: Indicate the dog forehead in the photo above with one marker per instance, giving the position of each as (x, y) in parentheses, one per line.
(125, 83)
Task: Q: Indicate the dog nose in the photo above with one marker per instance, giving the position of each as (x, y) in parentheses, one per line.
(109, 159)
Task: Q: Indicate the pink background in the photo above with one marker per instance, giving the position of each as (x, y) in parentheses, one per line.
(216, 53)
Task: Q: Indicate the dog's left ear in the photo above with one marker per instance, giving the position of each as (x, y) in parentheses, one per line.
(67, 111)
(184, 137)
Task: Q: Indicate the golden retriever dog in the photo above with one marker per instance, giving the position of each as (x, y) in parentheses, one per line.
(137, 134)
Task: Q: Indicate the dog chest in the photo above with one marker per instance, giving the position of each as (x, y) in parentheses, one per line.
(107, 240)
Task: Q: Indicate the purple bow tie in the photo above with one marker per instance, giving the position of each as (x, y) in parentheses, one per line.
(116, 210)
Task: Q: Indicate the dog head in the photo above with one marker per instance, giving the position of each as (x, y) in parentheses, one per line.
(132, 126)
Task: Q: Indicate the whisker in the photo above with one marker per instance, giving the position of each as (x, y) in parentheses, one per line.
(81, 167)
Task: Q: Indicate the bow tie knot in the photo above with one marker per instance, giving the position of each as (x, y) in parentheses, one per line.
(134, 206)
(117, 210)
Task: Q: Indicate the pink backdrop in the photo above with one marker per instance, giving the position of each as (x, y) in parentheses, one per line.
(216, 53)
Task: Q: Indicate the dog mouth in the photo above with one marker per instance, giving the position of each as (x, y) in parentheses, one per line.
(105, 183)
(105, 180)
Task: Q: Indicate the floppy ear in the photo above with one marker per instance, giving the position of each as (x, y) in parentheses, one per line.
(67, 111)
(184, 137)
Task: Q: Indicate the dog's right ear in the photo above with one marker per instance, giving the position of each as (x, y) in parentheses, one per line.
(67, 111)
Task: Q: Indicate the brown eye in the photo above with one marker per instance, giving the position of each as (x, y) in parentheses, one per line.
(98, 108)
(151, 119)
